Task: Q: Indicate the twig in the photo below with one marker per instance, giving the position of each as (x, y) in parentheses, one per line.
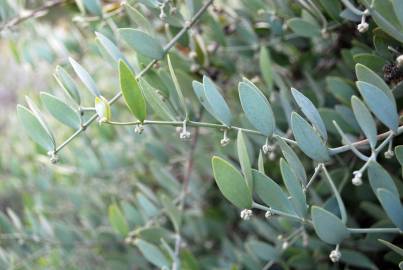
(32, 13)
(167, 47)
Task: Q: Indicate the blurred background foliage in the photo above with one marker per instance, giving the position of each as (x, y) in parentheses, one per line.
(58, 216)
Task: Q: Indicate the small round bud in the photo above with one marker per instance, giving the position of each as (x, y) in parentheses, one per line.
(224, 141)
(192, 54)
(399, 60)
(389, 154)
(273, 98)
(362, 27)
(138, 129)
(102, 120)
(366, 12)
(268, 214)
(194, 68)
(266, 148)
(246, 214)
(272, 156)
(184, 135)
(324, 33)
(335, 255)
(163, 16)
(356, 181)
(284, 246)
(279, 237)
(212, 47)
(53, 157)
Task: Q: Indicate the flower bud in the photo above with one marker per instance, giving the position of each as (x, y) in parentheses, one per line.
(246, 214)
(335, 255)
(389, 154)
(224, 141)
(362, 27)
(399, 60)
(268, 214)
(138, 129)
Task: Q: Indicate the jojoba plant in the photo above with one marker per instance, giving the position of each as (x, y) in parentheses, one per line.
(292, 107)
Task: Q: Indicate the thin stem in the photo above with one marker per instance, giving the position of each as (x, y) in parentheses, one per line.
(276, 212)
(352, 147)
(32, 13)
(374, 230)
(167, 47)
(316, 172)
(336, 194)
(384, 143)
(352, 8)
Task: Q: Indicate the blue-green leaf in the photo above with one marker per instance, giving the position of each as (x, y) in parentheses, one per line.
(199, 92)
(266, 67)
(380, 104)
(257, 108)
(142, 43)
(244, 160)
(93, 6)
(367, 75)
(152, 253)
(61, 111)
(398, 8)
(310, 111)
(231, 183)
(328, 227)
(358, 259)
(303, 27)
(110, 48)
(34, 128)
(293, 160)
(178, 88)
(67, 84)
(155, 101)
(294, 188)
(263, 250)
(271, 193)
(392, 247)
(365, 120)
(85, 77)
(307, 139)
(217, 103)
(392, 205)
(132, 92)
(379, 178)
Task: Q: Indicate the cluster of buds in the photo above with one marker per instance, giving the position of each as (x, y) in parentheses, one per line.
(268, 214)
(184, 135)
(269, 149)
(389, 154)
(357, 179)
(138, 129)
(363, 26)
(131, 238)
(225, 140)
(53, 157)
(335, 255)
(246, 214)
(399, 60)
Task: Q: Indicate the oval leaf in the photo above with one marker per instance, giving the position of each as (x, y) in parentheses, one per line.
(231, 183)
(61, 111)
(271, 193)
(152, 253)
(380, 104)
(142, 43)
(217, 103)
(379, 178)
(117, 220)
(367, 75)
(293, 160)
(303, 27)
(310, 111)
(294, 188)
(199, 92)
(34, 128)
(110, 48)
(365, 120)
(243, 156)
(67, 84)
(392, 205)
(328, 227)
(307, 139)
(132, 92)
(178, 88)
(85, 77)
(257, 109)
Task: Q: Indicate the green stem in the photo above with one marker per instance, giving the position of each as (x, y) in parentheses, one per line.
(167, 47)
(336, 194)
(374, 230)
(276, 212)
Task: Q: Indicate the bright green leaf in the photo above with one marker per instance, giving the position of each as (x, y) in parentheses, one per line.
(231, 183)
(117, 220)
(132, 93)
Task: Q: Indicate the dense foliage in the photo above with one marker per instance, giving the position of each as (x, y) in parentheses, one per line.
(201, 134)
